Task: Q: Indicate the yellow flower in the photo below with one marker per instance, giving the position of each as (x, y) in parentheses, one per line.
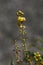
(22, 26)
(36, 59)
(37, 54)
(19, 13)
(21, 19)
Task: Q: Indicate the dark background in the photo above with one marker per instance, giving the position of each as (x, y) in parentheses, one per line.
(33, 10)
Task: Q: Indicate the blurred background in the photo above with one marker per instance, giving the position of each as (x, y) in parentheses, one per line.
(9, 30)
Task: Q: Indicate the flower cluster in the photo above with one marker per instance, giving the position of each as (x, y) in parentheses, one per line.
(20, 18)
(37, 56)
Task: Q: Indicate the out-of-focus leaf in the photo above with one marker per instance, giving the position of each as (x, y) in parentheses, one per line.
(12, 62)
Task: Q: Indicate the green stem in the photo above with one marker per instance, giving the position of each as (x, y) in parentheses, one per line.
(25, 47)
(24, 40)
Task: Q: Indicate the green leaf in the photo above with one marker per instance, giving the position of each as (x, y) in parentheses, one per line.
(12, 62)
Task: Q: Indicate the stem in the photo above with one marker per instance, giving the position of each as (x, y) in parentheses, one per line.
(25, 47)
(24, 40)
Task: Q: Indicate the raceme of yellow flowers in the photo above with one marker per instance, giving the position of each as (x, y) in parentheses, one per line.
(20, 18)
